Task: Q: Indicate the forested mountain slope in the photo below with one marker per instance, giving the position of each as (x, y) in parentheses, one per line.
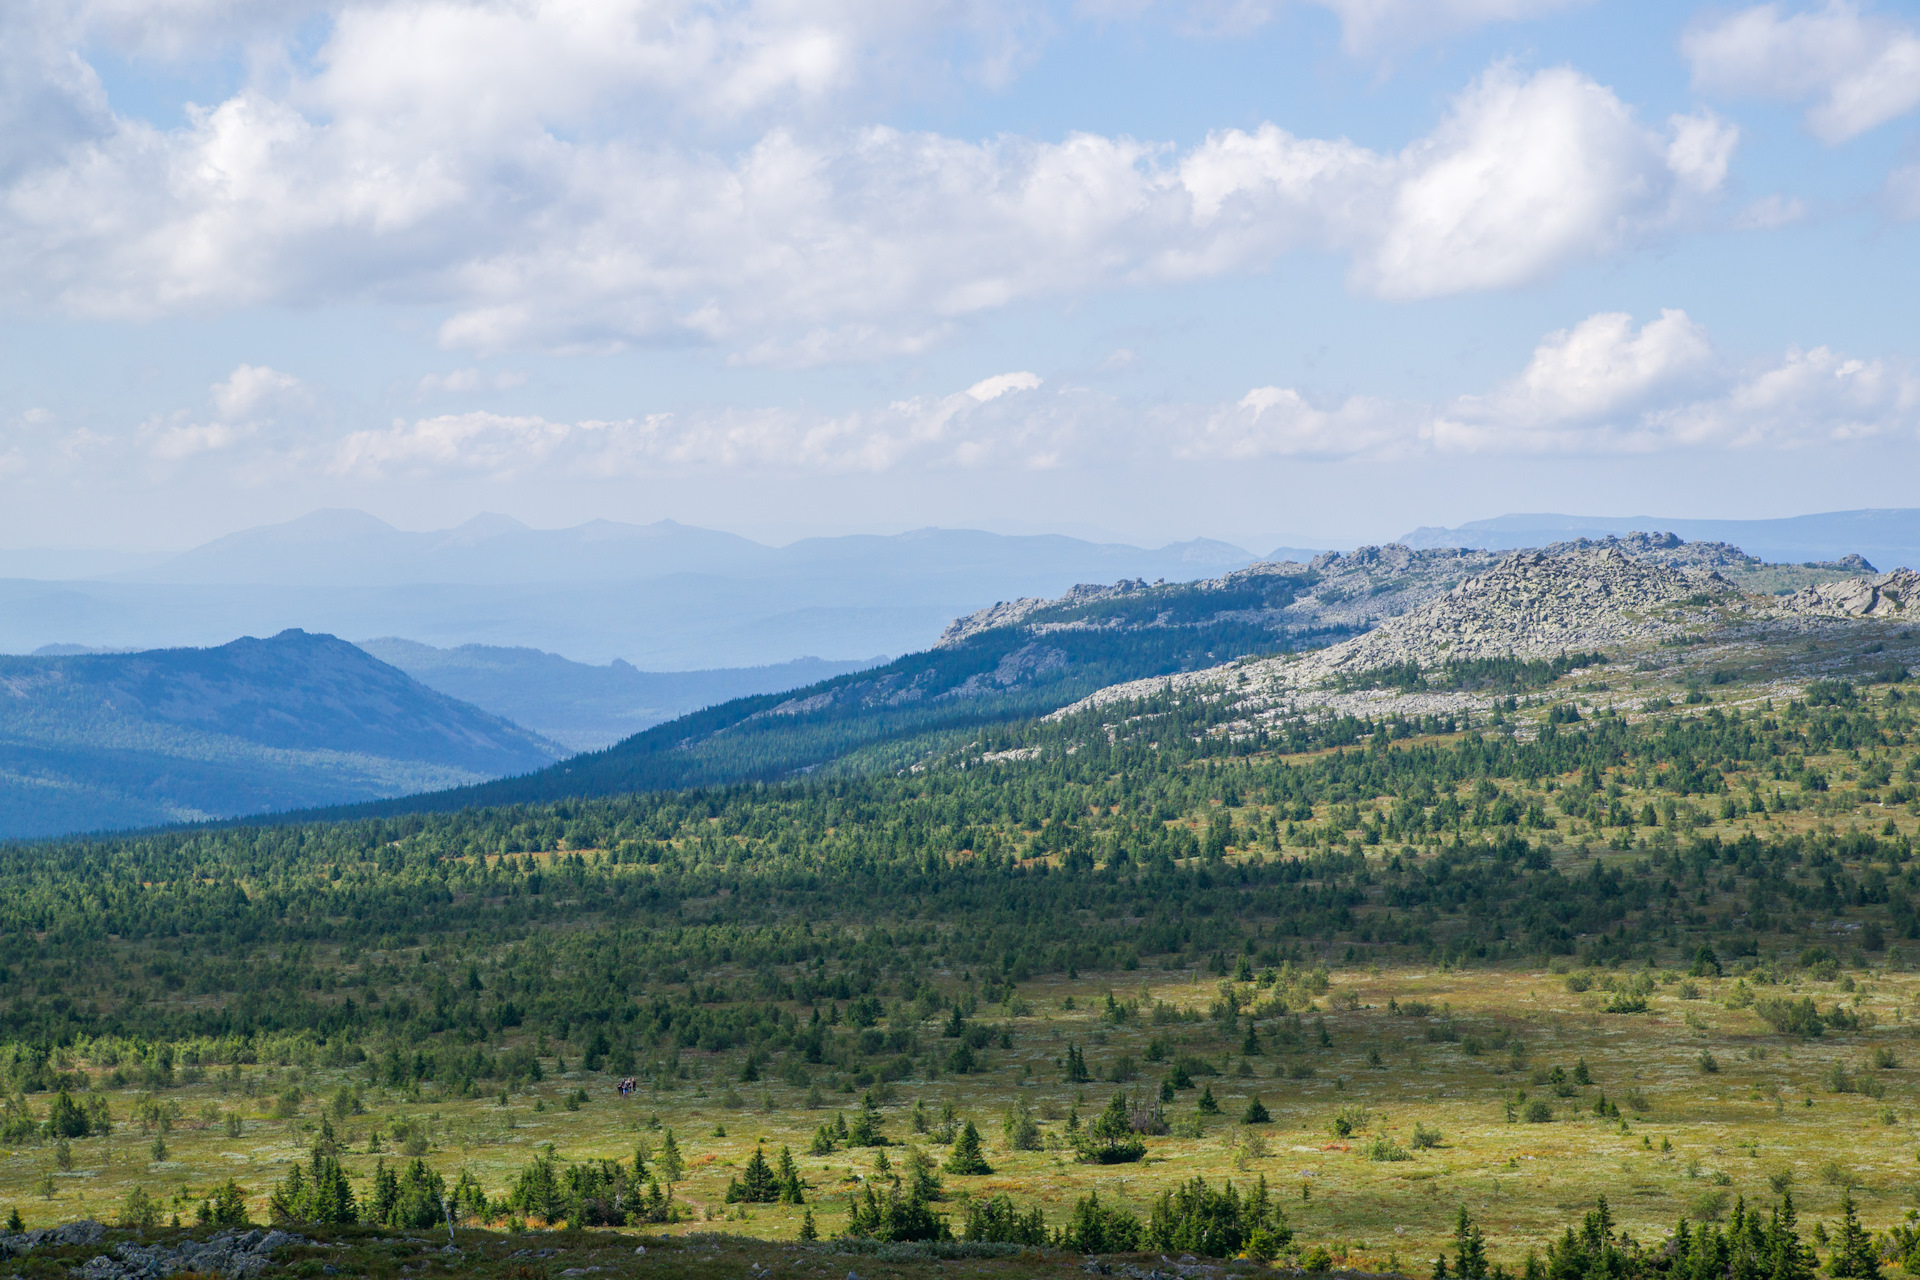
(93, 741)
(1378, 607)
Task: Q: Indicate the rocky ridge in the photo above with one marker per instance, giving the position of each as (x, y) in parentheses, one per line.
(1536, 604)
(1352, 591)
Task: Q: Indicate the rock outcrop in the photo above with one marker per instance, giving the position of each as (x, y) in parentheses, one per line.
(1886, 595)
(1533, 605)
(237, 1255)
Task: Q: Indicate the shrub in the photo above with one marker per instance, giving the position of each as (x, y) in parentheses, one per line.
(1539, 1111)
(1385, 1149)
(139, 1209)
(1348, 1121)
(1708, 1063)
(1425, 1139)
(1256, 1112)
(1708, 1206)
(1098, 1228)
(997, 1221)
(1111, 1138)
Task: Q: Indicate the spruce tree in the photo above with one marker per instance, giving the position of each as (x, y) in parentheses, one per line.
(807, 1230)
(1853, 1252)
(757, 1184)
(1469, 1249)
(671, 1165)
(1208, 1107)
(1256, 1112)
(966, 1158)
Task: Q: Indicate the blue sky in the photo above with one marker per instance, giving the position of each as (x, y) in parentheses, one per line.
(1264, 270)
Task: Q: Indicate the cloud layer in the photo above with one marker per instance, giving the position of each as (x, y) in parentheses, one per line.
(1854, 70)
(1605, 387)
(483, 158)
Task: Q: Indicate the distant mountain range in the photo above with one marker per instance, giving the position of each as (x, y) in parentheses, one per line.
(587, 707)
(663, 597)
(94, 741)
(1889, 539)
(1027, 658)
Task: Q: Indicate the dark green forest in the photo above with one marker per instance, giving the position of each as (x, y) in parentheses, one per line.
(811, 921)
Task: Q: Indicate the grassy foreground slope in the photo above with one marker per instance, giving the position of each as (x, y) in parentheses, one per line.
(1366, 923)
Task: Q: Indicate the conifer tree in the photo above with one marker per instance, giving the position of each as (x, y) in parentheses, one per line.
(807, 1230)
(791, 1190)
(757, 1184)
(1853, 1252)
(1256, 1112)
(671, 1163)
(966, 1159)
(1469, 1249)
(1208, 1107)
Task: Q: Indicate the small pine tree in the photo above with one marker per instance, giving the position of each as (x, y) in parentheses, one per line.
(1250, 1047)
(1256, 1112)
(966, 1158)
(13, 1220)
(1208, 1107)
(807, 1230)
(792, 1190)
(1470, 1249)
(757, 1184)
(671, 1163)
(1853, 1253)
(1581, 1076)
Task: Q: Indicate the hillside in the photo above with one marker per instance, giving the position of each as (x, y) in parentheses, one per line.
(95, 741)
(580, 705)
(1032, 657)
(1515, 626)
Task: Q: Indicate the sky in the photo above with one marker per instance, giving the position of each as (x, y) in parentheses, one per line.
(1280, 272)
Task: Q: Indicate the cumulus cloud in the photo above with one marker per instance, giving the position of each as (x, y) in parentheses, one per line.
(483, 158)
(1601, 387)
(1604, 386)
(252, 390)
(246, 403)
(1370, 26)
(1855, 70)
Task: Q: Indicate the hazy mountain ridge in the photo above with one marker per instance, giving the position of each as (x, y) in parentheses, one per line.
(1099, 643)
(582, 706)
(663, 597)
(105, 740)
(1888, 537)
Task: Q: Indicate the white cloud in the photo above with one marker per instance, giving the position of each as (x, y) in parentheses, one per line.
(1582, 380)
(1526, 174)
(480, 158)
(1856, 70)
(466, 380)
(1370, 26)
(1602, 387)
(252, 390)
(174, 442)
(1000, 384)
(988, 425)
